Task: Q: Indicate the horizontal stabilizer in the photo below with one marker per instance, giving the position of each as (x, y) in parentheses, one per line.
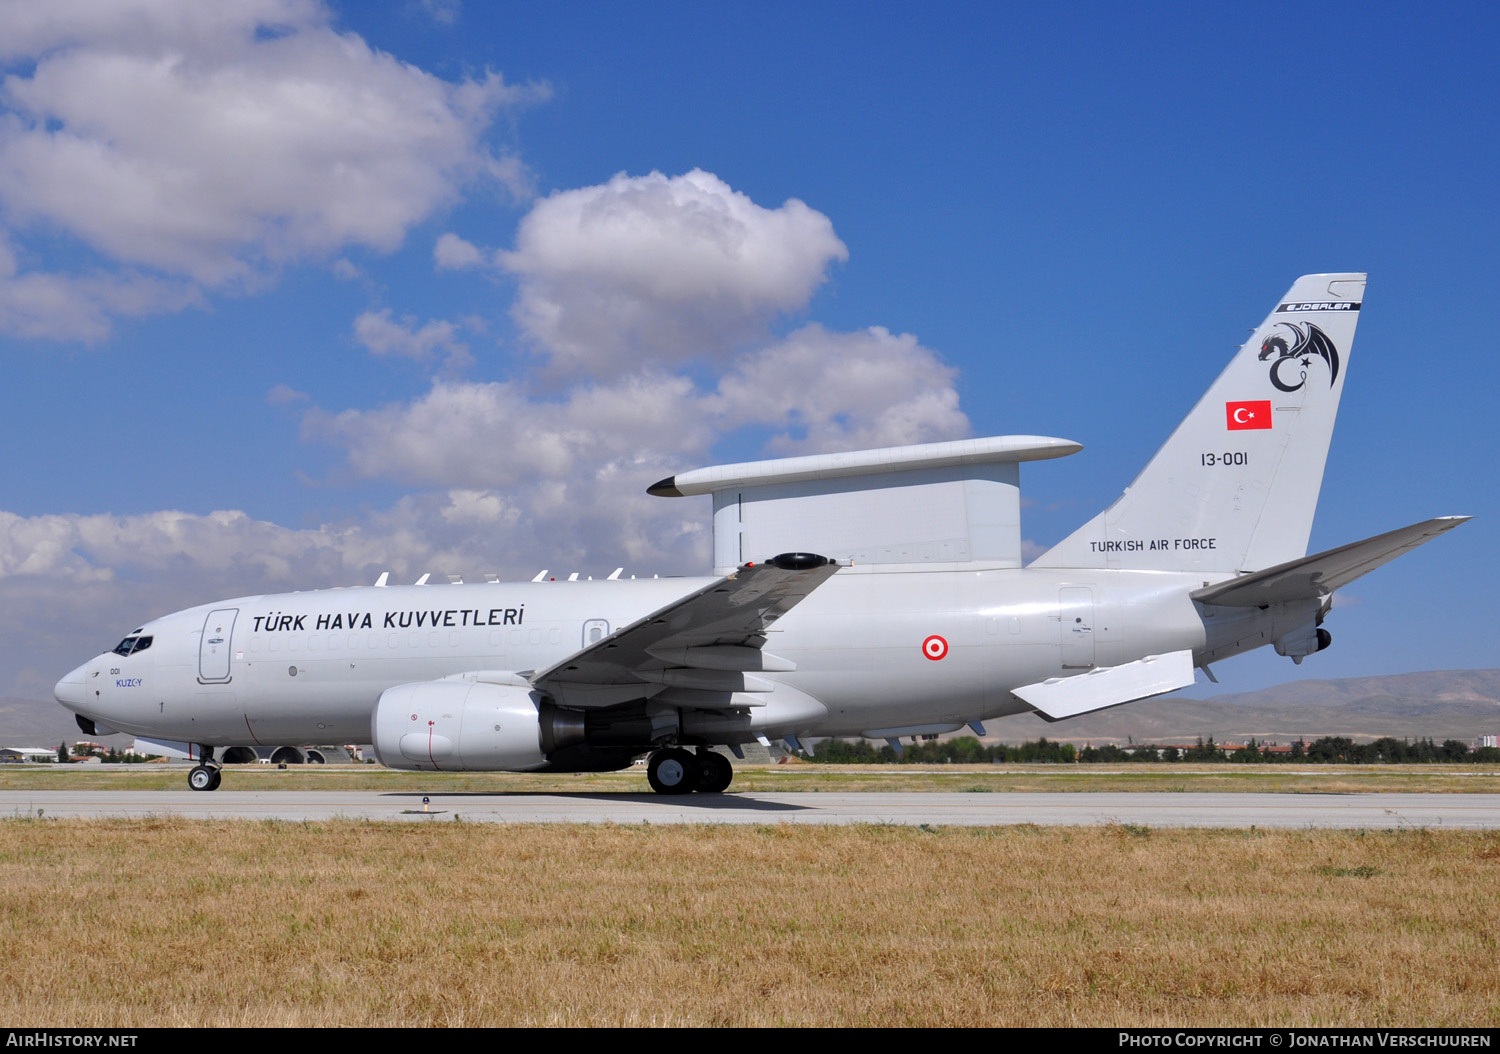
(1314, 577)
(1060, 697)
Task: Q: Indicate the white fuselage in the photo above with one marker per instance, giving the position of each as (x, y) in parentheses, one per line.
(310, 666)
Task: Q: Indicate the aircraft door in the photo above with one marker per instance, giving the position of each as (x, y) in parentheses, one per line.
(1076, 605)
(213, 646)
(595, 630)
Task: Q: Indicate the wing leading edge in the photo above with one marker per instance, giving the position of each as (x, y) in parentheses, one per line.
(708, 642)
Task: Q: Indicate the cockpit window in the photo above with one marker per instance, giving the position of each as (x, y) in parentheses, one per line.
(131, 645)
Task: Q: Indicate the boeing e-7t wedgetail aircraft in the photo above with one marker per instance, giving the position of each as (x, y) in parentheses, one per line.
(915, 616)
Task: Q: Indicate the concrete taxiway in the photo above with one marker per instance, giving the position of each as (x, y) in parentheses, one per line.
(1376, 811)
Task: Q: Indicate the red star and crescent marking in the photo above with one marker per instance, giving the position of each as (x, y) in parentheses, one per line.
(935, 647)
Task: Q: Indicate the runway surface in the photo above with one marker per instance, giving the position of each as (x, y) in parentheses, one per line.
(1376, 811)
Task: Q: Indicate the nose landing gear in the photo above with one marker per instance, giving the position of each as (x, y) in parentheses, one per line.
(208, 775)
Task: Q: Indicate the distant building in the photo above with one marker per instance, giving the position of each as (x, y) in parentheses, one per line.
(1227, 748)
(32, 754)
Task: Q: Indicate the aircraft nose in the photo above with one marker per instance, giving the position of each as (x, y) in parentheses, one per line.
(72, 689)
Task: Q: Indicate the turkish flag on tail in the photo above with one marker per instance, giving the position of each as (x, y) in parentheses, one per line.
(1253, 414)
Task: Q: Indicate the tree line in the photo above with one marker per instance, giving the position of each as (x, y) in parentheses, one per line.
(109, 755)
(966, 750)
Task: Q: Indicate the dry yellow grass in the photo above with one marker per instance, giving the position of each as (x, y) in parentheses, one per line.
(187, 923)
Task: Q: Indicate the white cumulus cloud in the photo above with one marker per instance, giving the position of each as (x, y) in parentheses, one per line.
(452, 253)
(659, 270)
(497, 434)
(814, 391)
(214, 142)
(827, 391)
(384, 334)
(80, 307)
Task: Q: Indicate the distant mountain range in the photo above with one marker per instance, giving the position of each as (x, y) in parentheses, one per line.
(1441, 704)
(30, 723)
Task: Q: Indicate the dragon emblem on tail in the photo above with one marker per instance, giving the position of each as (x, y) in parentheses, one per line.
(1292, 360)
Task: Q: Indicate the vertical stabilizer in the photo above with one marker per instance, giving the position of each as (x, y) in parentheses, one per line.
(1236, 485)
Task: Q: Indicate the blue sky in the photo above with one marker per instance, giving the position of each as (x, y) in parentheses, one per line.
(288, 294)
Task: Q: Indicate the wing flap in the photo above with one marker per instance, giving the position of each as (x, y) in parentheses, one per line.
(1314, 577)
(1062, 697)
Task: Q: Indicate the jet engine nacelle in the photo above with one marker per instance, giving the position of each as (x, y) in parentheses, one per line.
(459, 725)
(1303, 641)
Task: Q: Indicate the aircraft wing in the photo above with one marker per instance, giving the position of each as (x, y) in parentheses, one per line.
(1314, 577)
(708, 642)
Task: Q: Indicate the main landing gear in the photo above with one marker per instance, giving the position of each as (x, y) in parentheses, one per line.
(677, 771)
(206, 776)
